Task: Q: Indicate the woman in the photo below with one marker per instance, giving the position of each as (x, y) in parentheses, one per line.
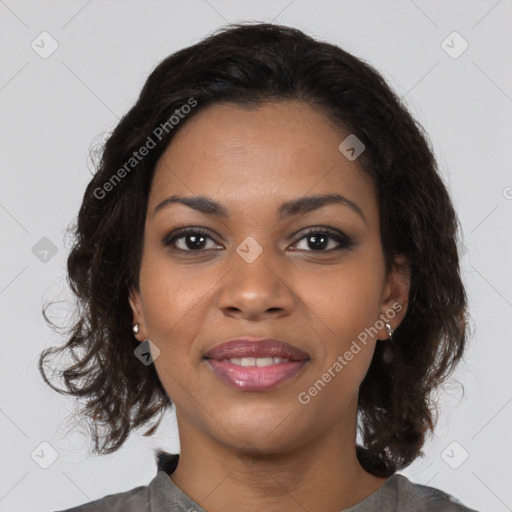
(268, 247)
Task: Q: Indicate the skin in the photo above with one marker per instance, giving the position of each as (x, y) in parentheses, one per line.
(256, 451)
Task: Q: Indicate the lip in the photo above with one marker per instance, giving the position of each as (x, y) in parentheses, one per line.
(255, 378)
(254, 347)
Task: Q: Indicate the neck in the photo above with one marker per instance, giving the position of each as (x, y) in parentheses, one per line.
(322, 474)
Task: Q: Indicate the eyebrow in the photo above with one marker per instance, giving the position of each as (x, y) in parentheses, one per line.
(301, 205)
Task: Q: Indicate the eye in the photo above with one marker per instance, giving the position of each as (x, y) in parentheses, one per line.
(189, 240)
(321, 239)
(316, 240)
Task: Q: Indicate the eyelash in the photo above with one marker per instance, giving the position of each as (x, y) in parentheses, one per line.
(344, 241)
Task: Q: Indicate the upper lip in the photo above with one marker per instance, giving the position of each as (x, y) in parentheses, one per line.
(256, 347)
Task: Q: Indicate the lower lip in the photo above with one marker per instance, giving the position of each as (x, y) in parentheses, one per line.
(255, 378)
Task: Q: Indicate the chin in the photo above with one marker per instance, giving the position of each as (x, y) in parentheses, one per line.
(265, 434)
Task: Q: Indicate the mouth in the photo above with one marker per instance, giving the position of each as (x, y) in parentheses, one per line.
(252, 364)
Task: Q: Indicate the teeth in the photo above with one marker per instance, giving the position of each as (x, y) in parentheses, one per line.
(264, 361)
(256, 361)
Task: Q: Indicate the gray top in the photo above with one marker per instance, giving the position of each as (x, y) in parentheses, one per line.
(397, 494)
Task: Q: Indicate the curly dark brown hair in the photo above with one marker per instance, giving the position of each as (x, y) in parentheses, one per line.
(248, 65)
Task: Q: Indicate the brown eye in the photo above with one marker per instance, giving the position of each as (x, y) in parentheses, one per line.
(322, 240)
(191, 240)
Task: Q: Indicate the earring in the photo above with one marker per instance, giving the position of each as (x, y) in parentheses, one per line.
(136, 329)
(388, 348)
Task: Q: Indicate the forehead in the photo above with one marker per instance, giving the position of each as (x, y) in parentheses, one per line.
(259, 156)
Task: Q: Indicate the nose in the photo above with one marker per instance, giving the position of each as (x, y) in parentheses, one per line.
(256, 290)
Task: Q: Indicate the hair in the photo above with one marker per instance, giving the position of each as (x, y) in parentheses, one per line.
(247, 65)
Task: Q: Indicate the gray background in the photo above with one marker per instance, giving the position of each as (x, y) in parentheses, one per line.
(54, 109)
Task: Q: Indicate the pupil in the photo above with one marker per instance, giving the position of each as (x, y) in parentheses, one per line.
(195, 244)
(319, 241)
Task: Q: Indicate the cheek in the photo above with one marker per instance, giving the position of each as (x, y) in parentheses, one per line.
(346, 297)
(173, 303)
(345, 304)
(173, 296)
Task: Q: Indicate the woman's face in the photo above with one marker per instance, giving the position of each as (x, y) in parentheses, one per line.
(256, 272)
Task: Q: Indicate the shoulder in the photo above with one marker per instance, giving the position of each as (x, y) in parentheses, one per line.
(154, 496)
(134, 500)
(399, 494)
(421, 497)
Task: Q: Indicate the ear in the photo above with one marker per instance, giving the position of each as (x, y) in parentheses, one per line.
(137, 312)
(395, 296)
